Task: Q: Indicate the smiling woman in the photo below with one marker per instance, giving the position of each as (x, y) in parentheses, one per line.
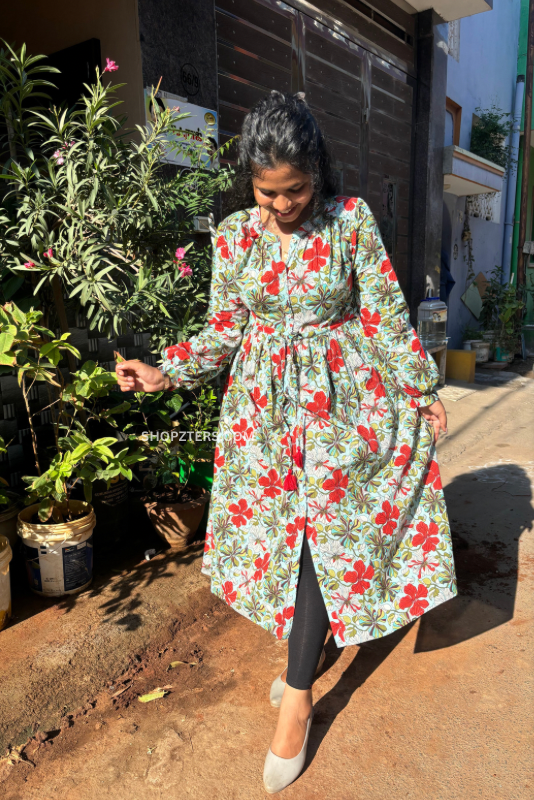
(327, 509)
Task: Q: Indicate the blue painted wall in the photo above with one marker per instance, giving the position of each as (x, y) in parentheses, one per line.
(485, 75)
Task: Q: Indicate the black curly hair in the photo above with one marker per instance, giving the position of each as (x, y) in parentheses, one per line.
(281, 129)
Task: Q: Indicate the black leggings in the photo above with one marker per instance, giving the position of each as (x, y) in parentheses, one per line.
(310, 626)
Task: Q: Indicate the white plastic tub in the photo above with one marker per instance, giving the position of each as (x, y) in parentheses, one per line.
(59, 558)
(6, 555)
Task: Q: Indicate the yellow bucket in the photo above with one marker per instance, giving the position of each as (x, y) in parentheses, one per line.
(59, 557)
(6, 554)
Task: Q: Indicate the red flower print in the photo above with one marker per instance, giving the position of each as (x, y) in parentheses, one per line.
(271, 277)
(387, 517)
(208, 545)
(218, 460)
(432, 476)
(261, 565)
(349, 203)
(247, 344)
(338, 626)
(230, 595)
(248, 238)
(428, 536)
(344, 318)
(228, 382)
(336, 486)
(181, 351)
(241, 512)
(334, 356)
(242, 433)
(272, 484)
(311, 533)
(359, 576)
(320, 405)
(353, 243)
(375, 384)
(317, 254)
(411, 391)
(279, 360)
(413, 601)
(222, 245)
(293, 528)
(416, 344)
(281, 620)
(370, 437)
(404, 459)
(260, 400)
(370, 322)
(221, 321)
(386, 268)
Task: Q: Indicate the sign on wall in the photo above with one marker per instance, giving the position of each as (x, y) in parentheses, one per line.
(191, 130)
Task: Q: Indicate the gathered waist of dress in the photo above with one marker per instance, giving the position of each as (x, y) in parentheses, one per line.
(305, 331)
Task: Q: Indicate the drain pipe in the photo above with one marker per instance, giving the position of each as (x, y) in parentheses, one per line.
(512, 180)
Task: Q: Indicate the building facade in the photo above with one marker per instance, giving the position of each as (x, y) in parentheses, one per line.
(374, 73)
(481, 74)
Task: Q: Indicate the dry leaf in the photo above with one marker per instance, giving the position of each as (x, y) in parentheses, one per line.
(174, 664)
(155, 694)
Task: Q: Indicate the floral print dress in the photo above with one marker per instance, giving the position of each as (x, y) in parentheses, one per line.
(320, 433)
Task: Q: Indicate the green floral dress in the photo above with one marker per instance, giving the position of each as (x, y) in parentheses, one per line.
(320, 433)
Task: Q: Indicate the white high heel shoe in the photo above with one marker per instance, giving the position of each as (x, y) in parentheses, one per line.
(278, 685)
(279, 772)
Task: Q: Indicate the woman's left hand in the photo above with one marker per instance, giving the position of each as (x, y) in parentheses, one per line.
(437, 416)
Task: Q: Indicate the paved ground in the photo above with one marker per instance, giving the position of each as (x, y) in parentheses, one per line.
(441, 709)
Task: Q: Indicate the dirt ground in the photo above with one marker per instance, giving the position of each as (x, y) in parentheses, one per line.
(440, 709)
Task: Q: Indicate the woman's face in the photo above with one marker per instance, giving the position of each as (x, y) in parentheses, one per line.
(284, 191)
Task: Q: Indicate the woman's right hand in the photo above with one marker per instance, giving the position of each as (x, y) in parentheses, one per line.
(135, 376)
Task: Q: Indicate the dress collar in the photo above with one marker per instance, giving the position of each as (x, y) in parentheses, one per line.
(308, 226)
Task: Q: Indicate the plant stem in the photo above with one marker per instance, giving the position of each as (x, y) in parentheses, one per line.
(32, 429)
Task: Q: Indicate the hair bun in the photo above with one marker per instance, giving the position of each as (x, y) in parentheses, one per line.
(301, 96)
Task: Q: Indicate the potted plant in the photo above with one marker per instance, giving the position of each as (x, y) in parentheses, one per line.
(470, 336)
(55, 528)
(9, 507)
(174, 506)
(500, 316)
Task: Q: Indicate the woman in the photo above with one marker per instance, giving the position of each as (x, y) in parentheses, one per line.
(327, 509)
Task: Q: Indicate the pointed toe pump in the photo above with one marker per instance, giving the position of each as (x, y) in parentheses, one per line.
(279, 772)
(278, 685)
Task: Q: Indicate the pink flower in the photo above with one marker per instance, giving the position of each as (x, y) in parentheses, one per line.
(29, 265)
(185, 270)
(180, 253)
(110, 66)
(48, 253)
(59, 158)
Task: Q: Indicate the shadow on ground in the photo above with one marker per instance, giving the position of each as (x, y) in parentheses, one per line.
(489, 510)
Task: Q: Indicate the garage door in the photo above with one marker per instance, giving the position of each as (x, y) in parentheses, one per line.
(363, 102)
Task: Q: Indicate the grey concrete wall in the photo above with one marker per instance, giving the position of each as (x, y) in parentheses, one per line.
(178, 44)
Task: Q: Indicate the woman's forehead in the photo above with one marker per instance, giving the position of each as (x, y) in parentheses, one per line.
(281, 177)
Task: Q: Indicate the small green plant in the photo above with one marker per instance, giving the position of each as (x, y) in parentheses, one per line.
(33, 352)
(174, 445)
(489, 133)
(470, 333)
(501, 311)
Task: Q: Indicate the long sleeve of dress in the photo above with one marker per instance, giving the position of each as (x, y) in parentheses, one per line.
(192, 363)
(385, 316)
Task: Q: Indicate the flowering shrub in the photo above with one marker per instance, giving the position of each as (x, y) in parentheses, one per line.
(84, 205)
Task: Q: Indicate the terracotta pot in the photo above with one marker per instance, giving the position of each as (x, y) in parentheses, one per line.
(177, 523)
